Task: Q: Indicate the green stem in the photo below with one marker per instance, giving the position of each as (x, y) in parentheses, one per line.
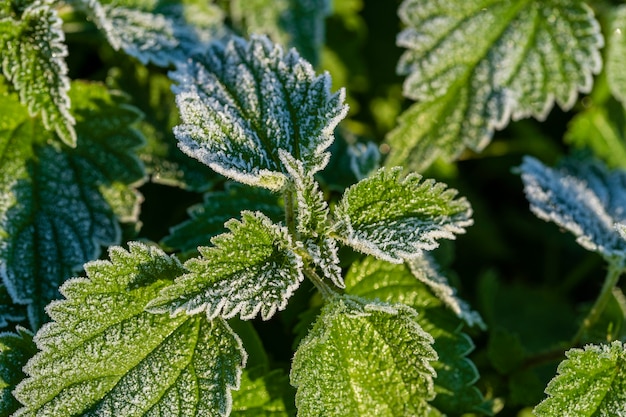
(326, 291)
(290, 218)
(612, 277)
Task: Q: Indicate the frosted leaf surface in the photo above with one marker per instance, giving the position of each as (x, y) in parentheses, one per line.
(248, 271)
(15, 350)
(263, 394)
(162, 35)
(364, 358)
(207, 219)
(590, 382)
(583, 197)
(242, 102)
(616, 55)
(58, 206)
(456, 374)
(426, 270)
(473, 65)
(104, 355)
(33, 59)
(364, 159)
(291, 23)
(312, 220)
(396, 219)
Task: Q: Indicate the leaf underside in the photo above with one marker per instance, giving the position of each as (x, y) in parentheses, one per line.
(242, 102)
(590, 382)
(248, 271)
(396, 219)
(60, 205)
(473, 65)
(105, 355)
(583, 197)
(364, 358)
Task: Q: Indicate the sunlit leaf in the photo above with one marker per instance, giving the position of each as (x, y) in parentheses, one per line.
(263, 394)
(207, 219)
(105, 355)
(59, 205)
(616, 55)
(474, 65)
(590, 382)
(456, 373)
(364, 358)
(248, 271)
(583, 197)
(15, 350)
(33, 59)
(242, 102)
(291, 23)
(396, 219)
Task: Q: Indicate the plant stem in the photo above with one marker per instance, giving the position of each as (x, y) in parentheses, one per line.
(326, 291)
(290, 212)
(612, 276)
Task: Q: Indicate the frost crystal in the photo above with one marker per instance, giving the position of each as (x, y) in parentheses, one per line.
(250, 270)
(374, 349)
(581, 196)
(473, 65)
(33, 59)
(396, 219)
(104, 355)
(243, 102)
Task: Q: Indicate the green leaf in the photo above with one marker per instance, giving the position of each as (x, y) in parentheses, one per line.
(473, 65)
(263, 394)
(581, 196)
(9, 311)
(58, 205)
(207, 219)
(426, 270)
(312, 221)
(456, 373)
(15, 351)
(291, 23)
(156, 31)
(105, 355)
(590, 382)
(242, 102)
(252, 269)
(33, 59)
(396, 219)
(616, 55)
(364, 358)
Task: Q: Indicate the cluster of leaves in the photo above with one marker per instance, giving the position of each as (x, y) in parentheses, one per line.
(223, 99)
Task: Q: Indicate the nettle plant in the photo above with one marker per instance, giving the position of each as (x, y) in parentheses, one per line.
(297, 226)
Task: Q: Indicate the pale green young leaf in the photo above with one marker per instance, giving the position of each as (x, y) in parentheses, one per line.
(242, 102)
(590, 382)
(291, 23)
(364, 358)
(456, 373)
(601, 128)
(616, 54)
(251, 270)
(312, 219)
(263, 394)
(58, 206)
(157, 31)
(33, 59)
(15, 350)
(207, 219)
(396, 219)
(583, 197)
(104, 355)
(473, 65)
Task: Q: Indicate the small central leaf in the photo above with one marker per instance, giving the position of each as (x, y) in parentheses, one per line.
(243, 102)
(250, 270)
